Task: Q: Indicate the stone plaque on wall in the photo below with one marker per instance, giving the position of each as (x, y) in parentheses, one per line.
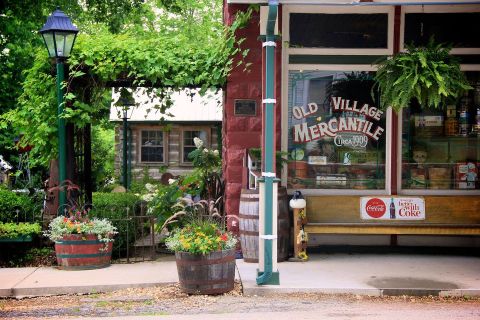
(244, 107)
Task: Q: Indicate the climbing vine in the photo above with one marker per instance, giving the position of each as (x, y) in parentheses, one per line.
(163, 62)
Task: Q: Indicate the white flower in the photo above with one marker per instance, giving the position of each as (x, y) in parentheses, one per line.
(205, 150)
(150, 187)
(171, 181)
(198, 142)
(215, 153)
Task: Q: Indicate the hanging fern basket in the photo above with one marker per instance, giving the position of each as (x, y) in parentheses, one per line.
(428, 74)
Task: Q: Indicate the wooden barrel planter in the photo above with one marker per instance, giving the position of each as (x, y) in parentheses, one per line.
(212, 273)
(248, 228)
(80, 252)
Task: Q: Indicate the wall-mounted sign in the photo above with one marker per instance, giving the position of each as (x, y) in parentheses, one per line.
(392, 208)
(245, 107)
(356, 118)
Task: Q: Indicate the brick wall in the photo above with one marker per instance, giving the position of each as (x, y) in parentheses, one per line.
(244, 132)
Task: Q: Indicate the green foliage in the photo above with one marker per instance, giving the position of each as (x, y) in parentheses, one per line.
(14, 255)
(428, 74)
(10, 201)
(163, 203)
(14, 230)
(114, 207)
(202, 232)
(158, 48)
(103, 155)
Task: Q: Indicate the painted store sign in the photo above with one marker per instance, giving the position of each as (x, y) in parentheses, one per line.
(392, 208)
(358, 120)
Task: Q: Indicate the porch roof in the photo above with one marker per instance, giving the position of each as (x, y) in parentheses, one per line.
(185, 108)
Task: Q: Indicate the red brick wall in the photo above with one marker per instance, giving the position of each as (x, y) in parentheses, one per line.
(243, 132)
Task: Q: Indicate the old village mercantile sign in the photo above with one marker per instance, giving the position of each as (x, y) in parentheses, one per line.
(360, 119)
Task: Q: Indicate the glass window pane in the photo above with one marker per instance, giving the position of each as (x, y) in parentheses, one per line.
(189, 144)
(440, 146)
(152, 146)
(461, 30)
(48, 38)
(315, 30)
(336, 134)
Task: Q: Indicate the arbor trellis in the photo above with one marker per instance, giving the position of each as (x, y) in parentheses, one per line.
(159, 61)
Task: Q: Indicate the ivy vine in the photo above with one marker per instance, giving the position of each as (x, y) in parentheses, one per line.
(163, 62)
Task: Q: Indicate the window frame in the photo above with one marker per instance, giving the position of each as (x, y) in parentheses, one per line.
(287, 10)
(463, 67)
(437, 9)
(181, 142)
(287, 67)
(165, 145)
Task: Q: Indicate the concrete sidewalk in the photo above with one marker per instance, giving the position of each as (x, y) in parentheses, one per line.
(359, 273)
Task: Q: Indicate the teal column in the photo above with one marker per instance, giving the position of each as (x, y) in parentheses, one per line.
(125, 154)
(62, 138)
(269, 276)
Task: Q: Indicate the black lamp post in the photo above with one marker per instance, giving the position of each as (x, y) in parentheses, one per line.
(124, 108)
(59, 35)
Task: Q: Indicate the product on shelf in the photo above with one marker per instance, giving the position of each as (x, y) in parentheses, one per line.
(466, 175)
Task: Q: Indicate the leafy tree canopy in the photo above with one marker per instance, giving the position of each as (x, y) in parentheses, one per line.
(167, 45)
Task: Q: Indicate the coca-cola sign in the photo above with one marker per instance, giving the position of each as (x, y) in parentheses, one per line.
(392, 208)
(375, 208)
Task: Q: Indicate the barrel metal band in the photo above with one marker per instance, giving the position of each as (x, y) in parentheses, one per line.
(268, 236)
(269, 174)
(269, 44)
(269, 101)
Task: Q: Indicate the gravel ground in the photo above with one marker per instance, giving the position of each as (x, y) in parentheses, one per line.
(168, 300)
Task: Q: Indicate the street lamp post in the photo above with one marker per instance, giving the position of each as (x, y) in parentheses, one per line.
(59, 35)
(124, 105)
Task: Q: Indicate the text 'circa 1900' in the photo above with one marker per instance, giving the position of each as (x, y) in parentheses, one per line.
(359, 120)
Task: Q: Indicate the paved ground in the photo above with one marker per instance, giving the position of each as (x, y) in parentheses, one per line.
(359, 273)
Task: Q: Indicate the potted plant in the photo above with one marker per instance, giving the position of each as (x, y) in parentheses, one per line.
(18, 232)
(428, 74)
(204, 250)
(81, 242)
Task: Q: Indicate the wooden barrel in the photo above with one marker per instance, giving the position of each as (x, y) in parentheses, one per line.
(211, 273)
(80, 252)
(248, 228)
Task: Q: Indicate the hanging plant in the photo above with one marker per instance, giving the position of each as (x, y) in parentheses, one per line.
(428, 74)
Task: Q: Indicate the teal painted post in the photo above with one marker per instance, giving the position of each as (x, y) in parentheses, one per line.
(125, 154)
(268, 276)
(62, 140)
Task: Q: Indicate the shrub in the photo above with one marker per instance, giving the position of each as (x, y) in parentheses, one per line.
(15, 230)
(10, 201)
(113, 206)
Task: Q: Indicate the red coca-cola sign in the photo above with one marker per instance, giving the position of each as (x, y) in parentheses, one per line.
(375, 207)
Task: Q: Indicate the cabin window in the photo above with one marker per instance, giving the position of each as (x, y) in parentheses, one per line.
(188, 144)
(152, 146)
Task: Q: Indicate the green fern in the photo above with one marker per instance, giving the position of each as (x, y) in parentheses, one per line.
(429, 74)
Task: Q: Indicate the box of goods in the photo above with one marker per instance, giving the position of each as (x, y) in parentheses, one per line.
(466, 175)
(428, 126)
(332, 180)
(439, 178)
(360, 157)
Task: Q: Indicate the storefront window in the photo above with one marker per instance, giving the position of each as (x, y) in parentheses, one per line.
(440, 147)
(319, 30)
(336, 136)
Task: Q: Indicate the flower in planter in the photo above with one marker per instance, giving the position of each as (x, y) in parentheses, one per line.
(204, 250)
(77, 222)
(202, 231)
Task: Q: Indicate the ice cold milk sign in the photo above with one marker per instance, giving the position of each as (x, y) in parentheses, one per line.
(392, 208)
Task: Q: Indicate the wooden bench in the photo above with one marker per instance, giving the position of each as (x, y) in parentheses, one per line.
(445, 215)
(393, 228)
